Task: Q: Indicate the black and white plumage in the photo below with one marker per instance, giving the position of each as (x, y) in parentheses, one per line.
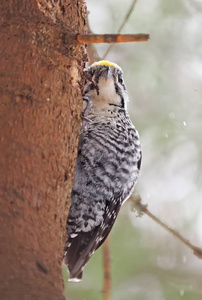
(107, 167)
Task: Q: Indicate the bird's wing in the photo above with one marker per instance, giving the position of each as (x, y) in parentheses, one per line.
(80, 248)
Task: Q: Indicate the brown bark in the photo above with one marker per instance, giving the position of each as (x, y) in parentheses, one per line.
(40, 106)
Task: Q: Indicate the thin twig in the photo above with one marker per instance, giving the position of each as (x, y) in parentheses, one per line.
(122, 25)
(107, 269)
(143, 208)
(127, 16)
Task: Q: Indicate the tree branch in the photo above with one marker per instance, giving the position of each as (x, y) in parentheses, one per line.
(143, 208)
(111, 38)
(107, 269)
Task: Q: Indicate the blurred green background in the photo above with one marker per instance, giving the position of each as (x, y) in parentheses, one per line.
(164, 81)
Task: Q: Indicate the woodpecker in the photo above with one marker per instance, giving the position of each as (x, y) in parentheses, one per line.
(107, 166)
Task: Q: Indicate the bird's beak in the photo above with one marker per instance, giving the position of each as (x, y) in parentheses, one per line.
(107, 73)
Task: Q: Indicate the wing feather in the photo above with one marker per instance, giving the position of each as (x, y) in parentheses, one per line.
(80, 248)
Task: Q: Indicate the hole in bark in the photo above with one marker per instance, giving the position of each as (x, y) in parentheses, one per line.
(63, 9)
(41, 267)
(66, 176)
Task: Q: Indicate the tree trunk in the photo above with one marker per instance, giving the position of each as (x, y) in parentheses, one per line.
(41, 66)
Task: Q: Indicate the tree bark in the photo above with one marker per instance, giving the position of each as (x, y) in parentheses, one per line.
(40, 105)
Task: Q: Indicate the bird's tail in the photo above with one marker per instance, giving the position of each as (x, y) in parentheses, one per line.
(78, 251)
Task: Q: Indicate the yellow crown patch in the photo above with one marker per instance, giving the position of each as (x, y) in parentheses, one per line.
(106, 63)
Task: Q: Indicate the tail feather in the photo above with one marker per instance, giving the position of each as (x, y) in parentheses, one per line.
(78, 252)
(77, 278)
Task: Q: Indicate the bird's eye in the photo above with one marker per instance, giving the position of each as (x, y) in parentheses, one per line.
(120, 80)
(91, 72)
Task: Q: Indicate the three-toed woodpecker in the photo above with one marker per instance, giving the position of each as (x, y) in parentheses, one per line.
(107, 166)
